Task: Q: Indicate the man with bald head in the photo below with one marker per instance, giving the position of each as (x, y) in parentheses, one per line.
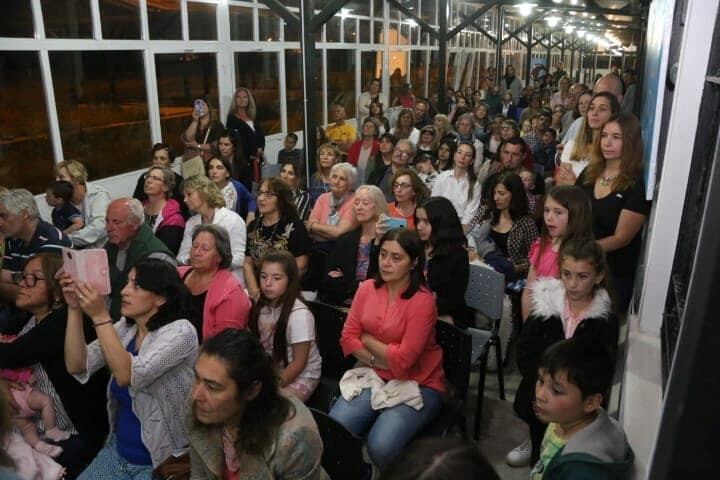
(130, 240)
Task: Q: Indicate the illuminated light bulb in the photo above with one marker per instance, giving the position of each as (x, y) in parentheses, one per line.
(569, 29)
(525, 9)
(552, 21)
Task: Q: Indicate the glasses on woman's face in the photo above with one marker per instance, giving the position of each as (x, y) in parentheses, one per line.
(401, 185)
(30, 279)
(266, 194)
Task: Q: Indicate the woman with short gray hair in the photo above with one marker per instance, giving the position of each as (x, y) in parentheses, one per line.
(217, 299)
(332, 214)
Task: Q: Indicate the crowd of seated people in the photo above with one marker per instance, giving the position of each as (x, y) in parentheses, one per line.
(206, 281)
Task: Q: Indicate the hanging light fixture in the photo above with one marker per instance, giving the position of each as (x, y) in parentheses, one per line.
(525, 8)
(569, 29)
(552, 21)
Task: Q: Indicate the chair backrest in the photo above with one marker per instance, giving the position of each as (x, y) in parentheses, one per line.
(457, 347)
(485, 291)
(342, 456)
(329, 322)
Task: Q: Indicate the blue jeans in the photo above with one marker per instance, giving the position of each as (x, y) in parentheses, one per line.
(390, 429)
(110, 465)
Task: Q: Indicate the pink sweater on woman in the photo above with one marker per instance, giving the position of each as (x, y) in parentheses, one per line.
(406, 326)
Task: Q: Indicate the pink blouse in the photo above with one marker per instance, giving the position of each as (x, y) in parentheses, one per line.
(545, 265)
(406, 326)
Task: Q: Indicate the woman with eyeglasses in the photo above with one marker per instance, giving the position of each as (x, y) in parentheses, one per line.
(204, 198)
(277, 228)
(409, 192)
(350, 262)
(162, 213)
(79, 408)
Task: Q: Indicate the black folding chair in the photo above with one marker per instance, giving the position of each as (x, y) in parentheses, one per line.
(342, 456)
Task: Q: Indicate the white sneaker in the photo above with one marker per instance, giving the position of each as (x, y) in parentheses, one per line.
(520, 455)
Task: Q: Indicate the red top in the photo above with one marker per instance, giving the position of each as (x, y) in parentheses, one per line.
(395, 213)
(354, 152)
(407, 327)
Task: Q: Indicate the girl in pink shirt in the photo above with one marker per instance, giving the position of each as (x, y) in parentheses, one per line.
(567, 214)
(391, 329)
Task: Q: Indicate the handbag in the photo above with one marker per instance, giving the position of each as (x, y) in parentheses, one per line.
(174, 468)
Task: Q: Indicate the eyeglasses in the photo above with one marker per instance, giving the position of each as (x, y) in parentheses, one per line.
(266, 194)
(154, 177)
(404, 153)
(402, 185)
(30, 279)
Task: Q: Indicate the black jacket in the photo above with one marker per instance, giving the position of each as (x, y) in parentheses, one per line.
(344, 258)
(447, 277)
(544, 327)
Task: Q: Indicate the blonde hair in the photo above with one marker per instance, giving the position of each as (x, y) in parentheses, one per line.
(75, 169)
(584, 138)
(336, 152)
(631, 156)
(250, 111)
(209, 192)
(378, 198)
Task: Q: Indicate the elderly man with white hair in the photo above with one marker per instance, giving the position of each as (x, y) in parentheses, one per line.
(130, 240)
(25, 235)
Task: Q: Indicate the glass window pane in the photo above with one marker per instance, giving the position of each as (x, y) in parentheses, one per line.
(427, 11)
(26, 158)
(120, 20)
(68, 19)
(378, 8)
(291, 3)
(398, 67)
(350, 30)
(202, 23)
(332, 29)
(269, 25)
(241, 23)
(417, 72)
(370, 67)
(358, 7)
(341, 69)
(181, 78)
(16, 20)
(258, 72)
(378, 31)
(294, 89)
(433, 72)
(102, 107)
(364, 31)
(291, 34)
(164, 20)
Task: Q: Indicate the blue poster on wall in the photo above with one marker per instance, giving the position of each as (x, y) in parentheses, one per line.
(657, 46)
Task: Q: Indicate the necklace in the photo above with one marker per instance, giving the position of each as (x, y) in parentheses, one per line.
(607, 181)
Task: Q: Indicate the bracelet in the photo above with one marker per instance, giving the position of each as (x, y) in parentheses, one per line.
(372, 361)
(106, 322)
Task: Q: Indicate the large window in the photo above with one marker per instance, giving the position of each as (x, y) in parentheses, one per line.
(181, 78)
(16, 20)
(258, 72)
(24, 140)
(120, 20)
(102, 107)
(66, 19)
(341, 69)
(294, 87)
(202, 24)
(164, 20)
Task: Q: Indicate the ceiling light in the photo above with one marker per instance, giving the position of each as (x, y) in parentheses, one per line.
(552, 21)
(569, 29)
(525, 9)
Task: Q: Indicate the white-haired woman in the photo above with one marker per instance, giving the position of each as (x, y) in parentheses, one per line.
(349, 263)
(333, 212)
(204, 198)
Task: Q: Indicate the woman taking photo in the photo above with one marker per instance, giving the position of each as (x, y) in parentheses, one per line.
(277, 228)
(163, 213)
(460, 184)
(217, 298)
(204, 198)
(242, 125)
(203, 130)
(391, 330)
(328, 155)
(291, 173)
(409, 192)
(332, 214)
(150, 353)
(405, 126)
(576, 152)
(79, 408)
(285, 325)
(447, 267)
(617, 193)
(511, 229)
(350, 262)
(361, 151)
(279, 438)
(237, 197)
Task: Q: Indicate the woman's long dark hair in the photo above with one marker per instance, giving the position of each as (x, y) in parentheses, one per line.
(286, 301)
(248, 365)
(472, 175)
(161, 278)
(518, 203)
(239, 162)
(447, 232)
(412, 245)
(285, 202)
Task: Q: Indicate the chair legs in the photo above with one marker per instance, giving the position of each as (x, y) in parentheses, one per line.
(499, 362)
(480, 393)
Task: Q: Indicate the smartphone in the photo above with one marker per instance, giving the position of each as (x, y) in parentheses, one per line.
(89, 266)
(393, 222)
(199, 107)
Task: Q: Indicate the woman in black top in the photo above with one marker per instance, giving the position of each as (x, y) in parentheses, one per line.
(447, 267)
(242, 124)
(614, 182)
(278, 227)
(80, 409)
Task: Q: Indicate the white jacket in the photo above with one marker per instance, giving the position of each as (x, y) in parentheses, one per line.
(94, 208)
